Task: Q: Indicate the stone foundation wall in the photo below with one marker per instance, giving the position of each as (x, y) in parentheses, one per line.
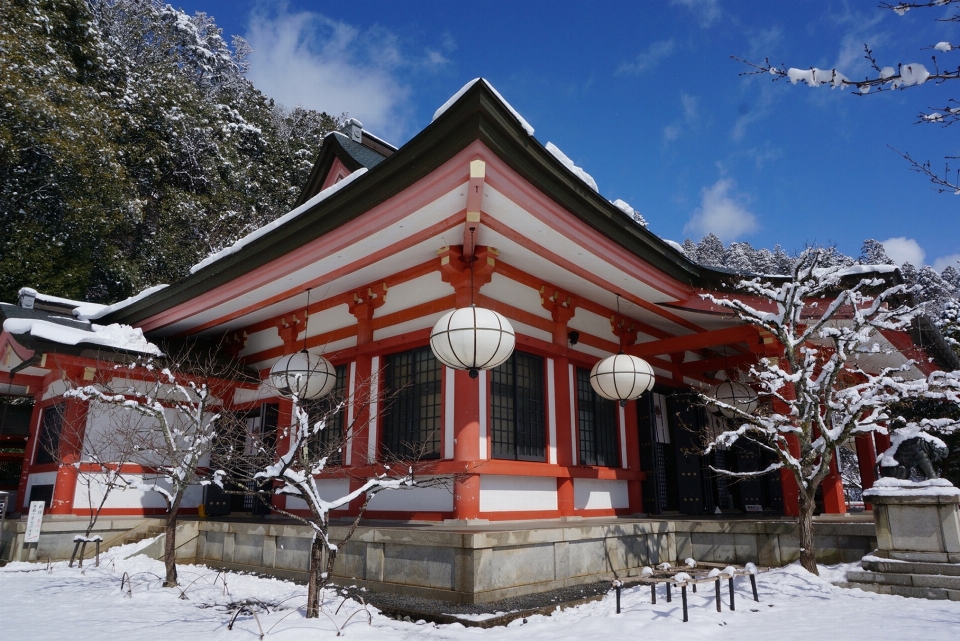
(477, 564)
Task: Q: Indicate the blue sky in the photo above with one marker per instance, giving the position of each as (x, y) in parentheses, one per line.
(645, 97)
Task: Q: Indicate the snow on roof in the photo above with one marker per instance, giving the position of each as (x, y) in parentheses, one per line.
(577, 171)
(93, 311)
(47, 298)
(122, 337)
(379, 140)
(279, 222)
(674, 244)
(628, 209)
(449, 103)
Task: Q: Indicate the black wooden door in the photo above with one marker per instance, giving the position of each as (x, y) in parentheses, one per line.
(685, 433)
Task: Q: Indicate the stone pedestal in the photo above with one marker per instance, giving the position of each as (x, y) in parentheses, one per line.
(918, 540)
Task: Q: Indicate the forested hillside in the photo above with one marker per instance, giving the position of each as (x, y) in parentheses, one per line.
(939, 293)
(132, 145)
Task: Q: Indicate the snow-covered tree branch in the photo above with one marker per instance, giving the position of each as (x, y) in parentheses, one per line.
(310, 448)
(887, 77)
(829, 381)
(179, 403)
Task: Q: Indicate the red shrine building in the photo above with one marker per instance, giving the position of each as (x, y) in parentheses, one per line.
(382, 243)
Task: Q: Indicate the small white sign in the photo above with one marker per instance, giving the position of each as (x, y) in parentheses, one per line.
(34, 521)
(752, 507)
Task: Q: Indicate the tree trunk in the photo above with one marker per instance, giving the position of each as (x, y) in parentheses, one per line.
(170, 543)
(315, 580)
(808, 551)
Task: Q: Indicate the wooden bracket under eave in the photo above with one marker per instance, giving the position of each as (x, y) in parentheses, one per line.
(478, 172)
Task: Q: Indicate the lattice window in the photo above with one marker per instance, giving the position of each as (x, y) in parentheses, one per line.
(329, 441)
(597, 419)
(517, 408)
(50, 429)
(413, 409)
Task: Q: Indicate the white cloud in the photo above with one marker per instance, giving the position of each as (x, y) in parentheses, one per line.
(691, 115)
(721, 212)
(904, 250)
(707, 11)
(310, 60)
(649, 58)
(943, 262)
(750, 113)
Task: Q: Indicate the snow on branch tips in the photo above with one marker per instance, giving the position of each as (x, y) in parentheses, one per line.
(831, 378)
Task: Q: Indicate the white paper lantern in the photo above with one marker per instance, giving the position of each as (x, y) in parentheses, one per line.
(732, 393)
(472, 338)
(304, 374)
(622, 378)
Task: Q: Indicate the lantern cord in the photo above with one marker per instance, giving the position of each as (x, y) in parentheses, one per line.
(473, 257)
(306, 320)
(618, 320)
(474, 371)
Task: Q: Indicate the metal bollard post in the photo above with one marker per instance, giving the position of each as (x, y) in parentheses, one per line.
(617, 586)
(683, 597)
(669, 597)
(718, 596)
(653, 593)
(753, 584)
(732, 605)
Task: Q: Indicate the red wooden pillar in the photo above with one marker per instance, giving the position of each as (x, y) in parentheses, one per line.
(359, 436)
(634, 490)
(29, 453)
(466, 444)
(867, 461)
(834, 501)
(562, 307)
(883, 443)
(565, 453)
(71, 442)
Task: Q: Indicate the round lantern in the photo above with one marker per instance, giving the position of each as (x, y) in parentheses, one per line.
(621, 378)
(303, 374)
(735, 394)
(472, 338)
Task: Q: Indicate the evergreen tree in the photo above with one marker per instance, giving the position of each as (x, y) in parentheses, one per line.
(710, 251)
(739, 257)
(783, 263)
(764, 262)
(690, 250)
(132, 145)
(63, 196)
(872, 252)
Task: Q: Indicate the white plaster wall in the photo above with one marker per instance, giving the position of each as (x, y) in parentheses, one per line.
(44, 478)
(329, 490)
(130, 498)
(259, 341)
(414, 325)
(517, 493)
(596, 494)
(422, 289)
(517, 294)
(530, 330)
(56, 388)
(416, 499)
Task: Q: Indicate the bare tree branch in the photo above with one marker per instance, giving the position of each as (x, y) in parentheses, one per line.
(945, 184)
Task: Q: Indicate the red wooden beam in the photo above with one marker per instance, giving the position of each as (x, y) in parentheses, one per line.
(699, 340)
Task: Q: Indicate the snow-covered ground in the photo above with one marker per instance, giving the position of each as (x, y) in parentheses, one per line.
(79, 605)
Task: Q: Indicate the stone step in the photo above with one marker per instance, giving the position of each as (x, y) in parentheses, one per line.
(906, 590)
(911, 567)
(911, 580)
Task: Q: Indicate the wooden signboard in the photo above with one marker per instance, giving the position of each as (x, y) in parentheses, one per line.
(34, 521)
